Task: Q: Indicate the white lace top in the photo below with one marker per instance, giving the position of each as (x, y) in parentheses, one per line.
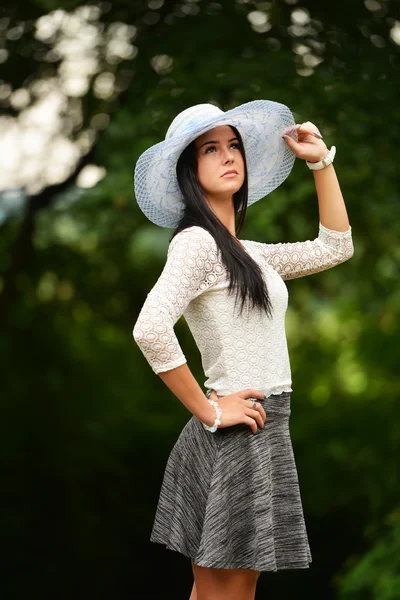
(236, 351)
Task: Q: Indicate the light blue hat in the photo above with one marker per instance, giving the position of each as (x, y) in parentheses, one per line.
(261, 124)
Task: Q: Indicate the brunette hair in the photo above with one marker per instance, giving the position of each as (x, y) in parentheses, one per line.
(245, 275)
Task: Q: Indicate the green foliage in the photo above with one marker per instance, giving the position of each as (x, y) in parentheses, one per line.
(376, 576)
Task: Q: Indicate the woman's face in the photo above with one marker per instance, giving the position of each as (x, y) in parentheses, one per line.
(220, 164)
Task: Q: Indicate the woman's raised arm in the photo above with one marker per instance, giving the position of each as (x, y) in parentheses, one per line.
(334, 244)
(297, 259)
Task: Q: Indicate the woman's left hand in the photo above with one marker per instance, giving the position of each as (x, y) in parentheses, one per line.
(308, 147)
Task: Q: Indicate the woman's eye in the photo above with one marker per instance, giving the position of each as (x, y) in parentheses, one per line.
(209, 149)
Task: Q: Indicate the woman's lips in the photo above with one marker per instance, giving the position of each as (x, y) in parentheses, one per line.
(231, 174)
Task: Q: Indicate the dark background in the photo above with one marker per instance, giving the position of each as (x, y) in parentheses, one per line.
(85, 426)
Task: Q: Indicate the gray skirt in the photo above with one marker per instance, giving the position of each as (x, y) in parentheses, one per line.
(231, 499)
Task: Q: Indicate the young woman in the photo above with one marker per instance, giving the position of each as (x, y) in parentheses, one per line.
(230, 498)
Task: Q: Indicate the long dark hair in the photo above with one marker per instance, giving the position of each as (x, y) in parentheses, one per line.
(245, 275)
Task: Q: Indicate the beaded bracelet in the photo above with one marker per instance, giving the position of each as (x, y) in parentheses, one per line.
(217, 421)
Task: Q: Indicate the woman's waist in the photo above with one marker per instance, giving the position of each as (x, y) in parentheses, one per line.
(230, 385)
(277, 402)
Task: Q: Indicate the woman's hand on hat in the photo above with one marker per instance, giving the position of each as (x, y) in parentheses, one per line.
(237, 408)
(309, 146)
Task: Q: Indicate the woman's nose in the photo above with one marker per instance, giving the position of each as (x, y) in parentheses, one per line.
(228, 157)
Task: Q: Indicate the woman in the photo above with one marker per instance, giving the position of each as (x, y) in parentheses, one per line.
(230, 497)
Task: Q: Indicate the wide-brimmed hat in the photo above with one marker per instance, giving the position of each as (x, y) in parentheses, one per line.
(261, 124)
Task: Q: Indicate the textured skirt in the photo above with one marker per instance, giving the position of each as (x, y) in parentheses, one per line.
(231, 499)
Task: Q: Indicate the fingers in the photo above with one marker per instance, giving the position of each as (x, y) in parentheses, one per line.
(258, 412)
(292, 144)
(255, 414)
(254, 417)
(250, 393)
(307, 125)
(262, 411)
(258, 407)
(251, 423)
(305, 148)
(309, 128)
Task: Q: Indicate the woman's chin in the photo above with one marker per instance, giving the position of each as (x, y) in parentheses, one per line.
(224, 191)
(232, 186)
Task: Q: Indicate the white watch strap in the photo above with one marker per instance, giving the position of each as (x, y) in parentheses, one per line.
(327, 160)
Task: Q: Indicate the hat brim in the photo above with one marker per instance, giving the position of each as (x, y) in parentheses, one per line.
(260, 123)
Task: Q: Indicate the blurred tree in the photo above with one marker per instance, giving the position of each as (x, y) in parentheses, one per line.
(377, 575)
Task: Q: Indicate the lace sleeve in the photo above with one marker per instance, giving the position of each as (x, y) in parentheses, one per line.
(297, 259)
(192, 267)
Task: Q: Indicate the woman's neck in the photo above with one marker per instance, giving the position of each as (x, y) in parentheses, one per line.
(225, 212)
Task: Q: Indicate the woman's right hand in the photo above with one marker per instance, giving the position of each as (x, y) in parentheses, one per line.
(237, 408)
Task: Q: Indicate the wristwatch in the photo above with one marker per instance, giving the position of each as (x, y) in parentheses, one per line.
(326, 161)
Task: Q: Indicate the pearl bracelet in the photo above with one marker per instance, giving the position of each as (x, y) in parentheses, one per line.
(217, 421)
